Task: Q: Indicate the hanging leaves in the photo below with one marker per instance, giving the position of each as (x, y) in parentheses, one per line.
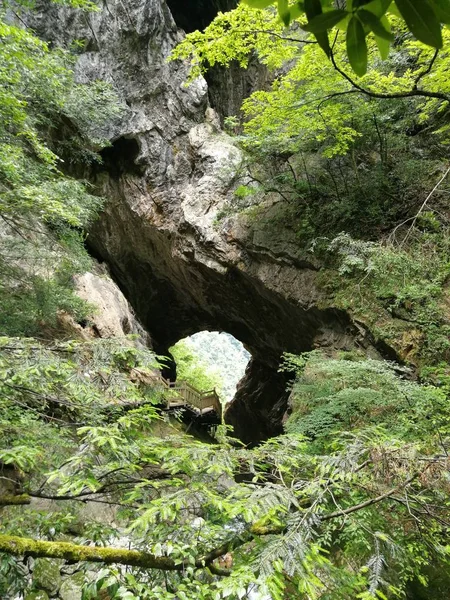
(375, 25)
(442, 10)
(383, 44)
(313, 8)
(422, 17)
(421, 21)
(325, 21)
(356, 46)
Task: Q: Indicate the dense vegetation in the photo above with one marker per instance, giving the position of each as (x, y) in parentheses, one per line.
(353, 500)
(191, 368)
(43, 212)
(349, 499)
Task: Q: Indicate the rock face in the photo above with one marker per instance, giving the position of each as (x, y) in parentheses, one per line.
(46, 575)
(168, 176)
(112, 316)
(229, 86)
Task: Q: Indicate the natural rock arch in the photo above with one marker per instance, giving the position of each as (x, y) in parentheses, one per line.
(167, 178)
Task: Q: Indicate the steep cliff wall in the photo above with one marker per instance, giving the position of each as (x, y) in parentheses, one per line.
(167, 176)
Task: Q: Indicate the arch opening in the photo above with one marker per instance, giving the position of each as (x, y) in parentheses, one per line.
(212, 359)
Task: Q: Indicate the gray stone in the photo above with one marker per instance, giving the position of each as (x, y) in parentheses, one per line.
(113, 316)
(72, 586)
(46, 575)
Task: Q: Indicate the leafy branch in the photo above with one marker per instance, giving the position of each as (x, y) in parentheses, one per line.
(359, 18)
(412, 93)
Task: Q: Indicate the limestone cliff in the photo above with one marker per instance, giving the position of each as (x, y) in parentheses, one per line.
(111, 315)
(167, 176)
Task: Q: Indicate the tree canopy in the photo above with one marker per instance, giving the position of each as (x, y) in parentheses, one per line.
(359, 18)
(372, 490)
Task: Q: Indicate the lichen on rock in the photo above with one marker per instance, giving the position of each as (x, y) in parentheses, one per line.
(71, 587)
(37, 595)
(46, 575)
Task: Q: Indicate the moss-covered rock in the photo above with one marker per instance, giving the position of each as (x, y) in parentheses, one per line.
(72, 586)
(38, 595)
(46, 575)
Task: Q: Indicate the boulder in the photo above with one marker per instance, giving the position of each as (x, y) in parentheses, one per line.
(71, 587)
(46, 575)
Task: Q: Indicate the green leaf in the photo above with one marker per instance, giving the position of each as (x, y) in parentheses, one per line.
(375, 25)
(421, 21)
(356, 46)
(313, 8)
(258, 3)
(378, 7)
(442, 10)
(325, 21)
(296, 11)
(383, 45)
(393, 10)
(324, 42)
(283, 11)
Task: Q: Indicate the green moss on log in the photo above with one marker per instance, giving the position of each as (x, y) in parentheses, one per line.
(11, 500)
(19, 546)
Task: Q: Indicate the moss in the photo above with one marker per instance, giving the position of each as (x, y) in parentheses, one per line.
(38, 595)
(19, 546)
(11, 500)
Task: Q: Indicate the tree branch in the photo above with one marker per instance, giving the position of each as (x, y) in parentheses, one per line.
(20, 546)
(426, 71)
(370, 501)
(414, 92)
(14, 500)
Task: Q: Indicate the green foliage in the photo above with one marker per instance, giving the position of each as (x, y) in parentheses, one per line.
(361, 18)
(352, 393)
(339, 155)
(365, 192)
(393, 286)
(72, 382)
(311, 100)
(192, 369)
(352, 502)
(233, 36)
(303, 514)
(43, 211)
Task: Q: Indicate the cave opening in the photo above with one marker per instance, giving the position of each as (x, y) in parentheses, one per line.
(253, 392)
(120, 158)
(211, 359)
(191, 15)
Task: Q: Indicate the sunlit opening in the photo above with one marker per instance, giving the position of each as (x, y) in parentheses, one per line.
(210, 359)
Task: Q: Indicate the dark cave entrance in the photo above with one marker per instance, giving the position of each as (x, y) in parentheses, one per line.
(120, 158)
(175, 296)
(197, 14)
